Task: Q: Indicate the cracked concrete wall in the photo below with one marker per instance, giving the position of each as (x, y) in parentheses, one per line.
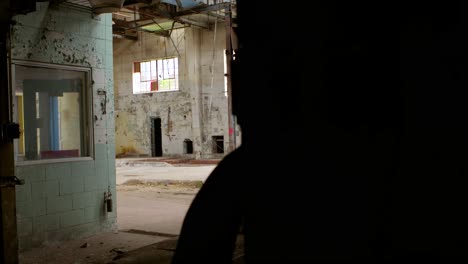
(196, 112)
(64, 200)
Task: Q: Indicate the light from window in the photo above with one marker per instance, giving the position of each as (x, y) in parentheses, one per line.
(156, 75)
(51, 107)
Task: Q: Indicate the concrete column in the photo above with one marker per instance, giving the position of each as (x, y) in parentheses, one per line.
(231, 122)
(193, 79)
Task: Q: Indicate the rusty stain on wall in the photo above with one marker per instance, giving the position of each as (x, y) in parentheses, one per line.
(169, 123)
(126, 150)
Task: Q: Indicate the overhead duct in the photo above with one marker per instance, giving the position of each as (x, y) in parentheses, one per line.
(106, 6)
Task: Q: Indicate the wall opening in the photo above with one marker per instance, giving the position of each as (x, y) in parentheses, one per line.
(188, 146)
(218, 144)
(156, 75)
(52, 107)
(156, 137)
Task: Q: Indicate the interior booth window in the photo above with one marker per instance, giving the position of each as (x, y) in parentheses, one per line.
(52, 107)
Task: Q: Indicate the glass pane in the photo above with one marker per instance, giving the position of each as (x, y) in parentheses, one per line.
(170, 69)
(142, 74)
(166, 68)
(51, 113)
(146, 87)
(153, 70)
(146, 71)
(170, 63)
(160, 70)
(172, 84)
(164, 85)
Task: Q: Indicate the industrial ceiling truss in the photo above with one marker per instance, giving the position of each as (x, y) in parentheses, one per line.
(162, 16)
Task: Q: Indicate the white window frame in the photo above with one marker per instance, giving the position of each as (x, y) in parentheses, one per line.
(88, 110)
(143, 83)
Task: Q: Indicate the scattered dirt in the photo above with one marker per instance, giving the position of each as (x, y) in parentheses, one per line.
(164, 183)
(162, 252)
(192, 161)
(155, 189)
(179, 161)
(102, 248)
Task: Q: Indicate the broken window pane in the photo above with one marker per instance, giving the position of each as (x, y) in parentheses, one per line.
(156, 75)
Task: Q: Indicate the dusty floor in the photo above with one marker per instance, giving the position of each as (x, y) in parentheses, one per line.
(162, 252)
(150, 208)
(101, 248)
(154, 208)
(146, 214)
(161, 171)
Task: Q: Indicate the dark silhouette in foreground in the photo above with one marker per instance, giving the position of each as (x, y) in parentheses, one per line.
(354, 138)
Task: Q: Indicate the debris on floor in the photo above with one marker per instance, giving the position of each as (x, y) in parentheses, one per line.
(101, 248)
(85, 245)
(162, 252)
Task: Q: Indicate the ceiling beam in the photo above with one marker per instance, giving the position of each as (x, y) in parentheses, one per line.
(202, 9)
(131, 2)
(129, 26)
(132, 24)
(192, 22)
(123, 36)
(164, 14)
(180, 16)
(218, 16)
(160, 33)
(179, 4)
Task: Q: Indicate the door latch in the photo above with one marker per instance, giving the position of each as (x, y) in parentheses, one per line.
(10, 181)
(9, 131)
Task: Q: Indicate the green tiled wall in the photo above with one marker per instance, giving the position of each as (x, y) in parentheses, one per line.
(62, 201)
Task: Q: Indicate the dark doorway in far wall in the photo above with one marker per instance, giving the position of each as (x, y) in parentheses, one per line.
(188, 146)
(218, 144)
(156, 137)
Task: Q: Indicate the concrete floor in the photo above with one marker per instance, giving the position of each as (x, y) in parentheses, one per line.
(102, 248)
(152, 209)
(154, 195)
(156, 170)
(152, 200)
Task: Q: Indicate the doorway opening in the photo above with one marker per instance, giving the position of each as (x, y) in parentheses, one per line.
(218, 144)
(156, 137)
(188, 146)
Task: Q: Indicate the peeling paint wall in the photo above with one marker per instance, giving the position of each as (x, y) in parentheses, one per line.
(197, 111)
(62, 201)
